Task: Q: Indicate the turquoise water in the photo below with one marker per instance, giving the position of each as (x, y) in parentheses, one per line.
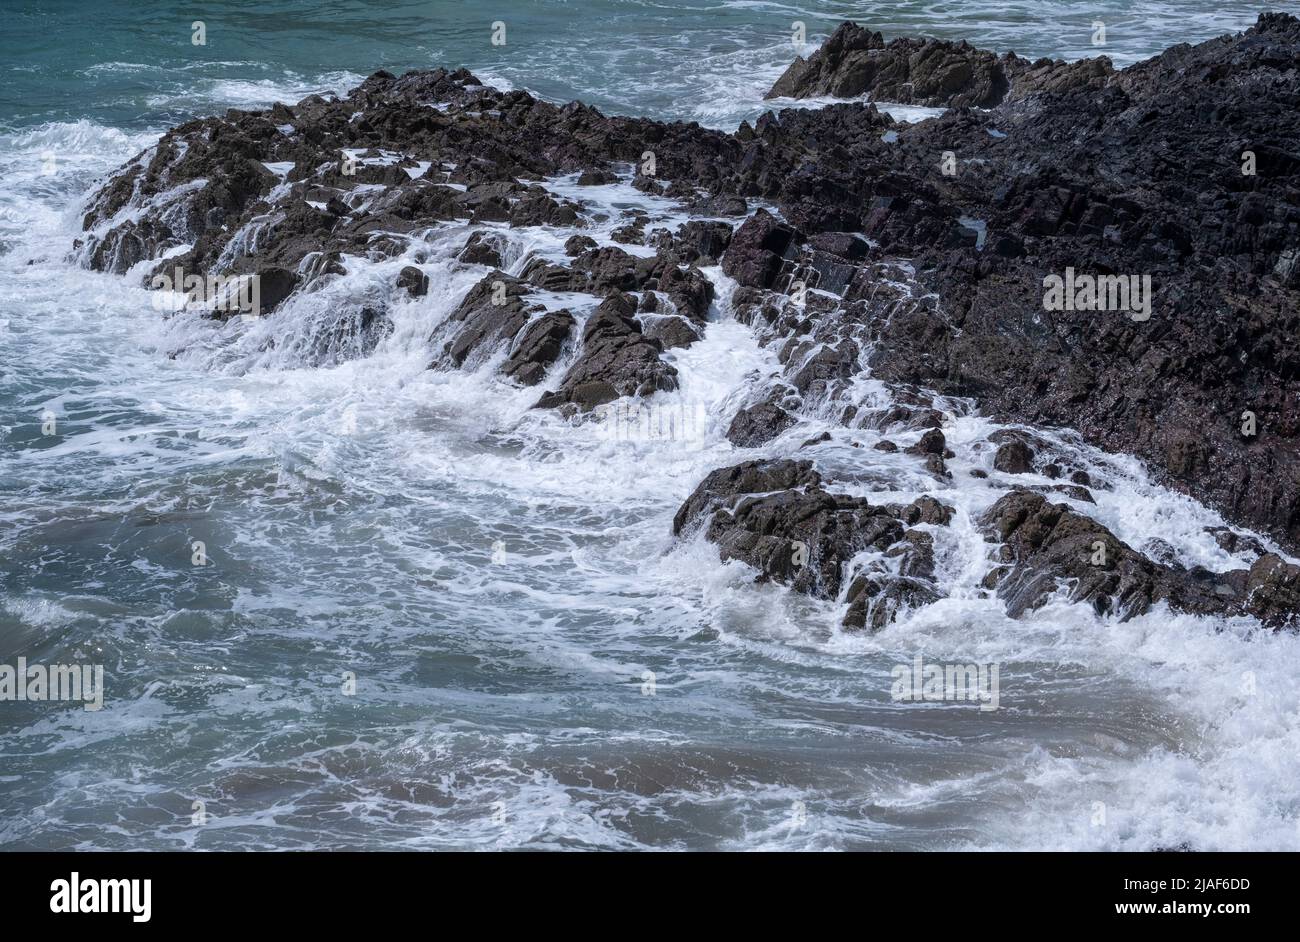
(132, 64)
(593, 684)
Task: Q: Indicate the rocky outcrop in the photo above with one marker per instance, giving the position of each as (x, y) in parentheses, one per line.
(1046, 545)
(855, 61)
(778, 517)
(923, 251)
(1204, 388)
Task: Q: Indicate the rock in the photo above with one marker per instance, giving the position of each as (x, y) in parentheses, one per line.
(483, 249)
(538, 345)
(1014, 458)
(671, 331)
(758, 424)
(578, 244)
(750, 477)
(1273, 591)
(933, 279)
(489, 316)
(758, 249)
(703, 242)
(931, 72)
(1234, 542)
(931, 443)
(616, 360)
(596, 178)
(413, 281)
(1047, 546)
(777, 517)
(275, 285)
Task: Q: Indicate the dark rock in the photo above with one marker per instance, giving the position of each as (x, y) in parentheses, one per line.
(578, 244)
(758, 424)
(931, 443)
(758, 249)
(777, 517)
(1273, 591)
(482, 249)
(1014, 458)
(616, 360)
(538, 345)
(670, 330)
(413, 281)
(489, 316)
(855, 61)
(1047, 546)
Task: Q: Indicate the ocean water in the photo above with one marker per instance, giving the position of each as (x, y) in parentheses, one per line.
(529, 659)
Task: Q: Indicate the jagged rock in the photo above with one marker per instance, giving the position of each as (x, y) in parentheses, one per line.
(931, 443)
(1047, 546)
(616, 360)
(757, 250)
(538, 345)
(483, 249)
(855, 61)
(1273, 591)
(490, 315)
(670, 330)
(777, 517)
(758, 424)
(578, 244)
(703, 242)
(936, 276)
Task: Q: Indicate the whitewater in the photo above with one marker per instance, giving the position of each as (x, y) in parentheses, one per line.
(533, 660)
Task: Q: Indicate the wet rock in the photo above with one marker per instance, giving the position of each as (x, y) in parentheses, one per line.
(616, 360)
(1234, 542)
(578, 244)
(855, 61)
(671, 330)
(703, 243)
(489, 316)
(413, 281)
(596, 177)
(931, 443)
(539, 345)
(275, 285)
(1273, 591)
(1014, 458)
(1046, 547)
(483, 249)
(758, 249)
(777, 517)
(758, 424)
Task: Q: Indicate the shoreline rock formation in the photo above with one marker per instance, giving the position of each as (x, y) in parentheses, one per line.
(1164, 198)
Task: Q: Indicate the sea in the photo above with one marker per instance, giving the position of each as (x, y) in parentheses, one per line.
(349, 602)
